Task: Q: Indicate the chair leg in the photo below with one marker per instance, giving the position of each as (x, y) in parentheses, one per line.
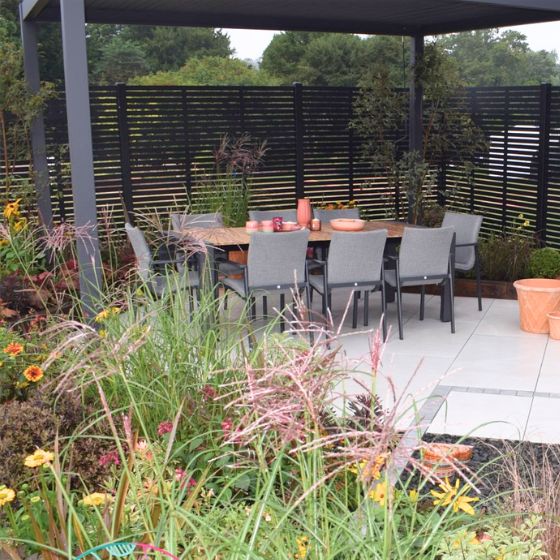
(383, 311)
(399, 309)
(308, 304)
(366, 308)
(282, 305)
(355, 310)
(225, 300)
(422, 301)
(478, 286)
(452, 303)
(324, 300)
(253, 308)
(265, 306)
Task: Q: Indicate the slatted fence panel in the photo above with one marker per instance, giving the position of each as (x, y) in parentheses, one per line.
(153, 145)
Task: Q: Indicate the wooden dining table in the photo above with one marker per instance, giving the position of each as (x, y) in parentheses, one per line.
(237, 238)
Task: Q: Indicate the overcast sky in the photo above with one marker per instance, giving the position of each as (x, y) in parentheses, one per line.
(251, 44)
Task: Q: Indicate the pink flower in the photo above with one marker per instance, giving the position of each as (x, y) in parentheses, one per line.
(227, 425)
(181, 476)
(143, 450)
(110, 458)
(164, 428)
(208, 392)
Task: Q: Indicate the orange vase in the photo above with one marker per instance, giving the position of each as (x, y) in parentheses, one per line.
(304, 213)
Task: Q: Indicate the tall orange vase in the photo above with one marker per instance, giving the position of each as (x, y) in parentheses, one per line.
(304, 213)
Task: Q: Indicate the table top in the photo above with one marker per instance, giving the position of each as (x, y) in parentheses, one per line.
(238, 237)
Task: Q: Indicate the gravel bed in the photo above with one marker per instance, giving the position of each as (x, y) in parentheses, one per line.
(496, 463)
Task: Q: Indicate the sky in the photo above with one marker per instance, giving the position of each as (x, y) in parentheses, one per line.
(251, 44)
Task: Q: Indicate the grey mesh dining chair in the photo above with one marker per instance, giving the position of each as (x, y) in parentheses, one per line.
(327, 215)
(425, 258)
(275, 264)
(158, 284)
(355, 261)
(467, 229)
(259, 215)
(182, 221)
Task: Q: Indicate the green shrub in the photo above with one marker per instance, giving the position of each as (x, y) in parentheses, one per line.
(545, 263)
(506, 257)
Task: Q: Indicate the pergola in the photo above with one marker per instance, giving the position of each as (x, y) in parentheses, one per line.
(414, 18)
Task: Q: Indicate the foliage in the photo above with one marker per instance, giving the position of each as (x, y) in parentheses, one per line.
(499, 58)
(211, 71)
(121, 59)
(450, 134)
(332, 58)
(506, 256)
(35, 423)
(21, 361)
(545, 263)
(520, 543)
(18, 108)
(227, 189)
(169, 48)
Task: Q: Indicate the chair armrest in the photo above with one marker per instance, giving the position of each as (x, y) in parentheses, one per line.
(466, 244)
(317, 261)
(393, 258)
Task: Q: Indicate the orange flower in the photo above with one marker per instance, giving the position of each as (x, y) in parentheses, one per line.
(13, 349)
(33, 374)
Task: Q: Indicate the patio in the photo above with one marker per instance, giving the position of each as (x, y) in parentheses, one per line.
(489, 379)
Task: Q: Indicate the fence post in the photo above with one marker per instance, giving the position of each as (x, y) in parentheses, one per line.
(350, 144)
(299, 132)
(544, 145)
(188, 162)
(125, 151)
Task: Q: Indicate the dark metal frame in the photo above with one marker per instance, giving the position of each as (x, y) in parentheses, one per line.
(447, 283)
(370, 286)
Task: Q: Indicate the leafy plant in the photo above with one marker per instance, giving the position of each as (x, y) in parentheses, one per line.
(227, 189)
(450, 133)
(545, 263)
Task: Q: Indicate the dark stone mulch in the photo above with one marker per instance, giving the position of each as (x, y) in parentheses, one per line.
(495, 461)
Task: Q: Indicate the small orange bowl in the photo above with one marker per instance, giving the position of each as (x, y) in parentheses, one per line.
(348, 224)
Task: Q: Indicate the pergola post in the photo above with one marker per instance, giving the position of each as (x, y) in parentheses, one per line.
(72, 13)
(38, 142)
(416, 111)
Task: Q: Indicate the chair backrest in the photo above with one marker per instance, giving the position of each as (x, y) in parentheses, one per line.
(141, 251)
(327, 215)
(467, 228)
(181, 221)
(425, 252)
(356, 257)
(277, 259)
(259, 215)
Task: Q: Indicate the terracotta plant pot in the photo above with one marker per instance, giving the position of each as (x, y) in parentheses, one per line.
(537, 298)
(445, 458)
(554, 325)
(304, 213)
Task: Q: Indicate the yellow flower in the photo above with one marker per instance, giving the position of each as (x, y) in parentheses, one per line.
(33, 374)
(302, 544)
(521, 217)
(102, 316)
(7, 495)
(379, 493)
(11, 210)
(452, 494)
(20, 225)
(40, 457)
(102, 333)
(369, 470)
(97, 499)
(526, 223)
(413, 496)
(464, 503)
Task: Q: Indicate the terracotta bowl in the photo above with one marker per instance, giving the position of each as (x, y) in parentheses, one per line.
(348, 224)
